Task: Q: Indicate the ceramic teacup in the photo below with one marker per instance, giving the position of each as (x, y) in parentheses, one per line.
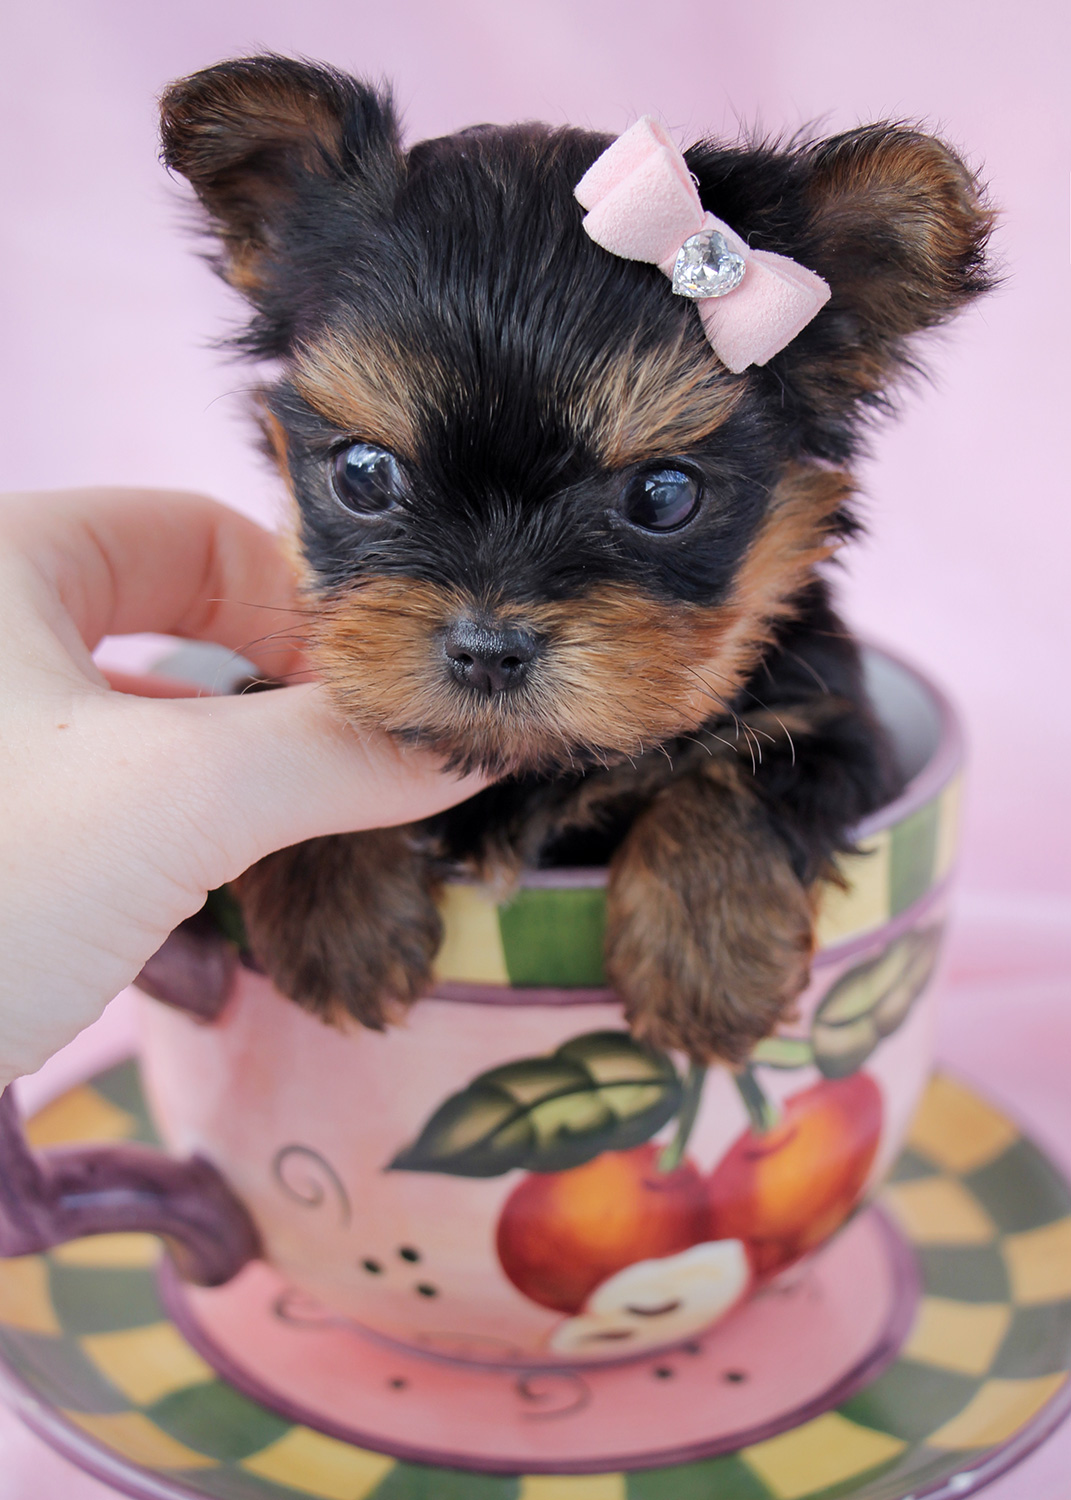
(508, 1177)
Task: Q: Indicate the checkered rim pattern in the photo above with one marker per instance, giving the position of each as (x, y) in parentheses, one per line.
(552, 936)
(84, 1331)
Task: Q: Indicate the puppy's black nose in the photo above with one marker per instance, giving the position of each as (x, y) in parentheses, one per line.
(487, 658)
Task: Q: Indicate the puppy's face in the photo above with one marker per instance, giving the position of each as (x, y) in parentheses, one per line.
(542, 522)
(527, 487)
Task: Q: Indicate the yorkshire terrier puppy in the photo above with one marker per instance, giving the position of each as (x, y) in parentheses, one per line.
(545, 530)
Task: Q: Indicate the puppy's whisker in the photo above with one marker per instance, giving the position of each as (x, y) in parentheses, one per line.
(791, 741)
(751, 752)
(690, 739)
(283, 638)
(717, 699)
(767, 709)
(310, 611)
(808, 668)
(242, 390)
(729, 744)
(275, 680)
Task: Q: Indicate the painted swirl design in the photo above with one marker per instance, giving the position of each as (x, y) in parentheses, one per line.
(308, 1178)
(553, 1393)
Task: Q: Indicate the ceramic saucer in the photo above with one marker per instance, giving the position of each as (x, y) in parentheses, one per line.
(959, 1366)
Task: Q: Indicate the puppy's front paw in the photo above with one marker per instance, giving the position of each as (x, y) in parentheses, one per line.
(709, 932)
(344, 925)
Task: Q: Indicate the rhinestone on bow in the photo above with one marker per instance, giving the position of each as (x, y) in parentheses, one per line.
(706, 267)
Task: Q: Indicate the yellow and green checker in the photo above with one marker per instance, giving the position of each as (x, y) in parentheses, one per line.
(982, 1375)
(551, 936)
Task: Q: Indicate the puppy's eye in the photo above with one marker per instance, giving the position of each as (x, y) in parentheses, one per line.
(662, 499)
(368, 480)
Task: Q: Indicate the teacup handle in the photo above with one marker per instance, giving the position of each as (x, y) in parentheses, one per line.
(65, 1193)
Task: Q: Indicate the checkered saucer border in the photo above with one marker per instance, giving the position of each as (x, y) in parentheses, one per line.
(90, 1357)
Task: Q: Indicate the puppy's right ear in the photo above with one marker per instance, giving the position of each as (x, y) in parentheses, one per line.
(270, 146)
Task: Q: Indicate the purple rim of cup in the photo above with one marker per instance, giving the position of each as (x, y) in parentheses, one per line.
(941, 766)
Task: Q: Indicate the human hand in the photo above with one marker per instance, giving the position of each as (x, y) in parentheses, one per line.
(120, 812)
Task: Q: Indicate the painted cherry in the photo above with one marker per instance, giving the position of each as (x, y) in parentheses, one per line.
(785, 1190)
(563, 1233)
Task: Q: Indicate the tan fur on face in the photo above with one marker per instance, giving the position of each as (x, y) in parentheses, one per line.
(620, 671)
(797, 534)
(650, 402)
(662, 400)
(275, 436)
(368, 387)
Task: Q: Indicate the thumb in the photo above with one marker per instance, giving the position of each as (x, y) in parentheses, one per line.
(263, 771)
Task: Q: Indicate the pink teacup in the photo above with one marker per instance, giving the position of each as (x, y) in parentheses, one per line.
(508, 1178)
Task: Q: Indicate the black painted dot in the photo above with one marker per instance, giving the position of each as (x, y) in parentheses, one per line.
(373, 1267)
(663, 1372)
(408, 1253)
(735, 1377)
(398, 1383)
(426, 1289)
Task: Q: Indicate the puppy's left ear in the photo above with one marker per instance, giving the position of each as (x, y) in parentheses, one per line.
(897, 225)
(290, 160)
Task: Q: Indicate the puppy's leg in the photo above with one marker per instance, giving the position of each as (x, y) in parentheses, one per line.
(709, 931)
(711, 893)
(345, 925)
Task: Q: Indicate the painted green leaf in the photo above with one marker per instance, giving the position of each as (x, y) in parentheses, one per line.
(783, 1052)
(599, 1092)
(840, 1050)
(920, 958)
(871, 1001)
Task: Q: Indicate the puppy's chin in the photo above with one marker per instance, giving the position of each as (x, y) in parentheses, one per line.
(533, 731)
(512, 754)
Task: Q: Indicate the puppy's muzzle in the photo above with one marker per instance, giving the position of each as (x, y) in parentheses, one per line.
(489, 659)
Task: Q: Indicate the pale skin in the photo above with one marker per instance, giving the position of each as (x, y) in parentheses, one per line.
(118, 812)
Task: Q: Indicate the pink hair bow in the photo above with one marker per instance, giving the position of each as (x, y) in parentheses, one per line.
(643, 205)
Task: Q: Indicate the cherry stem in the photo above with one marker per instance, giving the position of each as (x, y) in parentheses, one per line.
(762, 1112)
(691, 1096)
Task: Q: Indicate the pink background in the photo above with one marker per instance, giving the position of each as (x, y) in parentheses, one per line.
(106, 374)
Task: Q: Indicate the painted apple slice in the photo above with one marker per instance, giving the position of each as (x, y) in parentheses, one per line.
(657, 1302)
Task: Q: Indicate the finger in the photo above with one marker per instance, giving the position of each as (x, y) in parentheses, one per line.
(124, 561)
(259, 773)
(149, 685)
